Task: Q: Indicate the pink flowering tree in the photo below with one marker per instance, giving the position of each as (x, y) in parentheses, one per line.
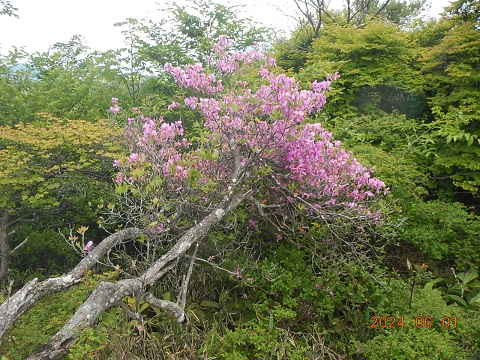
(252, 149)
(252, 146)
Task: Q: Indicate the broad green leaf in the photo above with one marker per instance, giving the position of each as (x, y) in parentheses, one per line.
(455, 298)
(121, 189)
(430, 284)
(208, 303)
(467, 277)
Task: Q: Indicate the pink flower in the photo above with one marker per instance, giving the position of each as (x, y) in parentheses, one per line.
(191, 102)
(114, 100)
(133, 158)
(263, 72)
(173, 105)
(237, 273)
(120, 177)
(114, 109)
(88, 246)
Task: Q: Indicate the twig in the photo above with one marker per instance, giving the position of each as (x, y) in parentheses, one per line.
(182, 299)
(168, 305)
(20, 245)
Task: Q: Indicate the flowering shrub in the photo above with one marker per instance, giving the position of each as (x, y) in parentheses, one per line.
(251, 140)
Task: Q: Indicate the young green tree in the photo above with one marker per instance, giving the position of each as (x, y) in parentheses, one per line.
(64, 81)
(189, 32)
(374, 63)
(67, 83)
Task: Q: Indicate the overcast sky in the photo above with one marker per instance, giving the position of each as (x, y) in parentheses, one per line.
(45, 22)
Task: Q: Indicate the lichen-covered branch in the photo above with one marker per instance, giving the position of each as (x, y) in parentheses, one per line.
(25, 298)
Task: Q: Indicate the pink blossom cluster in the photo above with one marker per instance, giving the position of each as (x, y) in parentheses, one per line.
(194, 77)
(326, 171)
(153, 142)
(264, 123)
(114, 109)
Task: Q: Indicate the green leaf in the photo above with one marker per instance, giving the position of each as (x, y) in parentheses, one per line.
(467, 277)
(208, 303)
(456, 299)
(276, 114)
(138, 173)
(121, 189)
(475, 300)
(430, 284)
(143, 307)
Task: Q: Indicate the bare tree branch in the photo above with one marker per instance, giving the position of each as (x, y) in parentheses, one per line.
(16, 248)
(177, 310)
(22, 300)
(186, 279)
(109, 294)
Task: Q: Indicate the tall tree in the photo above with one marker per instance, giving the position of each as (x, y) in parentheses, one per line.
(315, 14)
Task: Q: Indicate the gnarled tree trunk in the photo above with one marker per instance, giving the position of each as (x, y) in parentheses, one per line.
(108, 294)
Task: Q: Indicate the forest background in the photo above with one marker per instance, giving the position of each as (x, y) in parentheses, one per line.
(406, 102)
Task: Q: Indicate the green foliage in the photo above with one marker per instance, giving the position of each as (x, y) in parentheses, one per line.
(452, 144)
(261, 340)
(464, 291)
(292, 54)
(64, 82)
(88, 344)
(374, 66)
(40, 323)
(39, 158)
(449, 65)
(190, 31)
(427, 338)
(443, 230)
(44, 255)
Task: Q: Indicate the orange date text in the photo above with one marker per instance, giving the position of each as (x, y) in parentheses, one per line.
(426, 322)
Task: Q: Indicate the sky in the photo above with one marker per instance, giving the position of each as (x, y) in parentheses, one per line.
(45, 22)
